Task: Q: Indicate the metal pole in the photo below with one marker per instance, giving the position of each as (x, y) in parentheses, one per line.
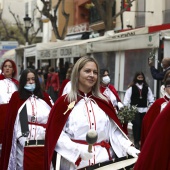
(26, 36)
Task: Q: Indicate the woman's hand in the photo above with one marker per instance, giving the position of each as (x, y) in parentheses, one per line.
(131, 150)
(85, 155)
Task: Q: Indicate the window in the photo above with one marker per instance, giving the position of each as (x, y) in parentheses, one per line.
(107, 60)
(166, 13)
(137, 60)
(140, 16)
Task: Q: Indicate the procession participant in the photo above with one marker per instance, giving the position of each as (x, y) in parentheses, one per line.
(155, 151)
(8, 85)
(84, 108)
(28, 113)
(154, 111)
(109, 90)
(139, 94)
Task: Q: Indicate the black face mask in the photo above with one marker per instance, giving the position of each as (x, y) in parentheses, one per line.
(39, 73)
(139, 81)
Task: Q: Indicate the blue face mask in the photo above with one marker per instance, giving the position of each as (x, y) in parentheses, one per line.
(30, 87)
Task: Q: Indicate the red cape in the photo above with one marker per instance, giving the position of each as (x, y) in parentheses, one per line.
(14, 80)
(14, 104)
(111, 87)
(57, 121)
(62, 87)
(155, 153)
(149, 118)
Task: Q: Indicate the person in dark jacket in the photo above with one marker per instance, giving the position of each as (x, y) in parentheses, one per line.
(156, 74)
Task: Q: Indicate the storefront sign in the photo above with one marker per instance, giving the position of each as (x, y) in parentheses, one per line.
(58, 53)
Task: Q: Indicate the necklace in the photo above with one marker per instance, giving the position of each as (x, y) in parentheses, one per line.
(140, 92)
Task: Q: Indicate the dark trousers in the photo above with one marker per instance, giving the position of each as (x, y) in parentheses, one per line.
(137, 125)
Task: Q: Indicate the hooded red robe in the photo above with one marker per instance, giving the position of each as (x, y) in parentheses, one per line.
(57, 121)
(3, 109)
(14, 104)
(155, 153)
(150, 117)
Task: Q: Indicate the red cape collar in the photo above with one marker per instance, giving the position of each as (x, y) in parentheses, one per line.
(2, 77)
(111, 87)
(57, 121)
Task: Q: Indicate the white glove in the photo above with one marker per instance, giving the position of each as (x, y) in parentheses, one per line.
(133, 151)
(120, 105)
(85, 155)
(22, 141)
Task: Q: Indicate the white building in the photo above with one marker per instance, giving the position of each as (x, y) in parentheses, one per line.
(16, 6)
(144, 13)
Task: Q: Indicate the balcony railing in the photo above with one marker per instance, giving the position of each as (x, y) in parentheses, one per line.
(94, 15)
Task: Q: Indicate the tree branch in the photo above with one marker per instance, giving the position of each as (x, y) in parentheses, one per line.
(124, 9)
(66, 18)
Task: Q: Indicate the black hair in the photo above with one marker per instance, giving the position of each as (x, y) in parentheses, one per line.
(135, 79)
(103, 70)
(25, 94)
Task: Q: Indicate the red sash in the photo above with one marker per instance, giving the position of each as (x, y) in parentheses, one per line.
(33, 158)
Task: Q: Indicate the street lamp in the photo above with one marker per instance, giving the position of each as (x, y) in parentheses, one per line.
(27, 21)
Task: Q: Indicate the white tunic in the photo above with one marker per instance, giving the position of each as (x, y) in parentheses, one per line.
(8, 87)
(41, 110)
(84, 116)
(128, 94)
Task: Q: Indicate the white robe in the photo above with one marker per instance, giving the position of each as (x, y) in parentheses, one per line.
(8, 87)
(42, 109)
(85, 116)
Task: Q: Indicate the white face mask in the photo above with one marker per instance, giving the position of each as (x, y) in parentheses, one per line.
(106, 80)
(30, 87)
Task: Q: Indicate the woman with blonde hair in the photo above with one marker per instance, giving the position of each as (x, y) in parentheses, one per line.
(82, 110)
